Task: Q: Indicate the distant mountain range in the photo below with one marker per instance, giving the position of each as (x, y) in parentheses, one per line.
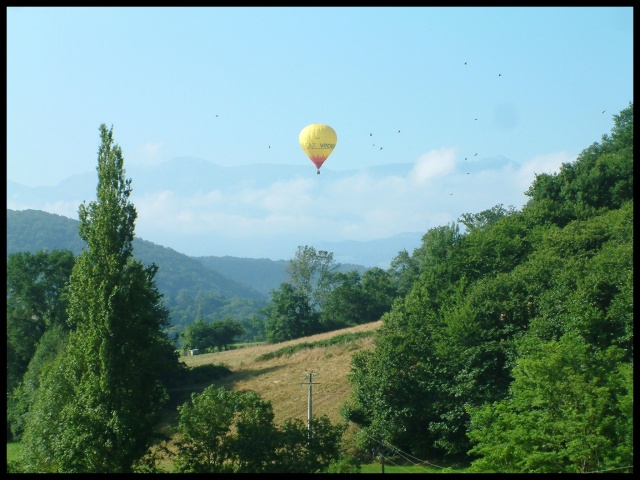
(34, 230)
(186, 176)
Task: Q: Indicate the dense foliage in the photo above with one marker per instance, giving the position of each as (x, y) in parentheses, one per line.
(211, 336)
(35, 303)
(513, 347)
(99, 400)
(223, 431)
(320, 297)
(189, 287)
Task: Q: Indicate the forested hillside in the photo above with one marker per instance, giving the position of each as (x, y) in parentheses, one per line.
(262, 274)
(190, 288)
(209, 287)
(513, 348)
(33, 230)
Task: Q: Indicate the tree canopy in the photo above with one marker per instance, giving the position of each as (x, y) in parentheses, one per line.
(513, 346)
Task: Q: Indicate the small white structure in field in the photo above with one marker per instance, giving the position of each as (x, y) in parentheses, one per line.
(195, 351)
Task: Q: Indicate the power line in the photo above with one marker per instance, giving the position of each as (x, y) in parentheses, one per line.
(415, 461)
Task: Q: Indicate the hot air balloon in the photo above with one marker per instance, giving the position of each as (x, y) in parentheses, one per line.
(318, 141)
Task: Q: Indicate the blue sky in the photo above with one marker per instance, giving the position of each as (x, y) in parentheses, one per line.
(234, 86)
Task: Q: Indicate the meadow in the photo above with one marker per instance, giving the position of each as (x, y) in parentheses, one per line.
(280, 373)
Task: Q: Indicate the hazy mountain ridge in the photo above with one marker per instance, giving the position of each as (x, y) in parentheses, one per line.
(185, 176)
(262, 274)
(33, 230)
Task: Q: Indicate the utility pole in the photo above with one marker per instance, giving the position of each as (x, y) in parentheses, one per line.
(381, 453)
(309, 413)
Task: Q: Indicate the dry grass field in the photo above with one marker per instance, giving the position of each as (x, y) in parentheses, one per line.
(285, 381)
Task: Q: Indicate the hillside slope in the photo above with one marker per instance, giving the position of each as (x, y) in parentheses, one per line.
(284, 381)
(33, 230)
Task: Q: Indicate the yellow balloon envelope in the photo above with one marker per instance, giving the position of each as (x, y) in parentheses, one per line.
(318, 141)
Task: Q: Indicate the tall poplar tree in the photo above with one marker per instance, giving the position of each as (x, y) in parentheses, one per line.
(100, 401)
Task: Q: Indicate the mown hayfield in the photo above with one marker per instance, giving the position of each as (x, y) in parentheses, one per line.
(283, 380)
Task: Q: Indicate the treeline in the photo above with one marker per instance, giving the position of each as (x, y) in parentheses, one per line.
(189, 287)
(513, 348)
(207, 288)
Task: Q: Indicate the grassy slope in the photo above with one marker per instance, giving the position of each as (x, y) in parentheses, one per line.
(284, 381)
(279, 380)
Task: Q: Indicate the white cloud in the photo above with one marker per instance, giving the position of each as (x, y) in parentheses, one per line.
(146, 155)
(272, 219)
(550, 163)
(295, 196)
(358, 207)
(435, 163)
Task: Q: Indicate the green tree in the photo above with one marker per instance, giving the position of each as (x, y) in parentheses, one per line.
(405, 269)
(396, 394)
(356, 299)
(99, 405)
(438, 264)
(345, 305)
(23, 396)
(226, 331)
(208, 336)
(294, 309)
(199, 334)
(35, 282)
(311, 272)
(600, 179)
(253, 326)
(289, 315)
(486, 218)
(379, 291)
(567, 413)
(224, 431)
(297, 453)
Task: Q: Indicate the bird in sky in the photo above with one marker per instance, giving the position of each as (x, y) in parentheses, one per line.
(380, 148)
(465, 63)
(475, 118)
(499, 74)
(371, 134)
(603, 111)
(475, 154)
(465, 159)
(398, 131)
